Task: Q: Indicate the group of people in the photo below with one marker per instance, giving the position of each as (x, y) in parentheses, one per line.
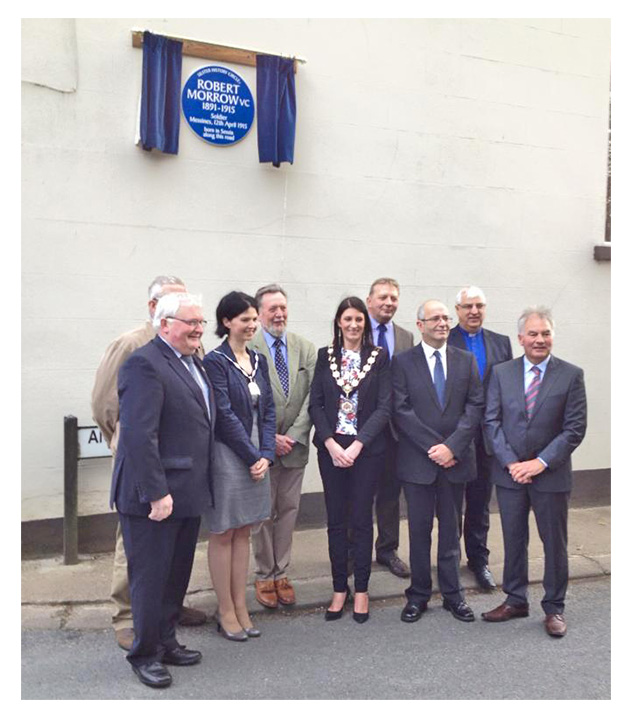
(222, 438)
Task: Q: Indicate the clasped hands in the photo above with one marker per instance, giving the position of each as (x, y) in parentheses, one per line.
(343, 458)
(284, 444)
(258, 469)
(442, 455)
(523, 471)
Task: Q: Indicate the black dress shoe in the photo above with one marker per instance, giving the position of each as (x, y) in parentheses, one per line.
(484, 578)
(181, 656)
(153, 674)
(335, 615)
(461, 610)
(395, 565)
(413, 610)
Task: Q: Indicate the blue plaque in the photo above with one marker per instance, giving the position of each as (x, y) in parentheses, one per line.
(218, 105)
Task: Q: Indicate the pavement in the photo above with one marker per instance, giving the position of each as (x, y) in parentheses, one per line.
(55, 596)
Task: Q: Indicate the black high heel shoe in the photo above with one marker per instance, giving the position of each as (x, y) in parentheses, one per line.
(361, 617)
(334, 615)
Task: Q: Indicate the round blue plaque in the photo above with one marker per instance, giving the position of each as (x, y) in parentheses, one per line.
(218, 105)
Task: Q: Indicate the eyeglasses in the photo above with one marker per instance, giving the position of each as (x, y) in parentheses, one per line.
(469, 307)
(191, 322)
(436, 319)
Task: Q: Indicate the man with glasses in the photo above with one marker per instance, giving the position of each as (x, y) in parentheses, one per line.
(162, 479)
(438, 405)
(105, 411)
(488, 348)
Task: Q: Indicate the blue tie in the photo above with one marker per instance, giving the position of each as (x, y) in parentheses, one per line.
(381, 339)
(439, 379)
(281, 366)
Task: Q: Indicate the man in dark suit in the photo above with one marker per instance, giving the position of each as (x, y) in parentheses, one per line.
(488, 348)
(438, 405)
(161, 479)
(382, 304)
(536, 415)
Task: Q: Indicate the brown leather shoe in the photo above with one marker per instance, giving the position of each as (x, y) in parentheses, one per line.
(555, 625)
(124, 637)
(285, 592)
(505, 612)
(191, 617)
(266, 593)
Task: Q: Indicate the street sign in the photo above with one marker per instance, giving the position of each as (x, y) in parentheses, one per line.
(92, 445)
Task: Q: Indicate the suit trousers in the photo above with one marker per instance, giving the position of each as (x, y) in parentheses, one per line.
(442, 499)
(160, 559)
(551, 513)
(349, 494)
(272, 539)
(476, 517)
(387, 504)
(120, 586)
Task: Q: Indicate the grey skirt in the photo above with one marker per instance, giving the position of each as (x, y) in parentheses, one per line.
(239, 500)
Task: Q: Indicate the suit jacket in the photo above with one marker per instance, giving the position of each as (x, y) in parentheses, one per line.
(373, 403)
(421, 423)
(235, 417)
(292, 411)
(166, 434)
(498, 350)
(403, 340)
(105, 391)
(556, 428)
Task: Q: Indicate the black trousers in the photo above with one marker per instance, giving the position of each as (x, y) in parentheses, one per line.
(551, 511)
(442, 499)
(159, 562)
(387, 504)
(476, 518)
(348, 494)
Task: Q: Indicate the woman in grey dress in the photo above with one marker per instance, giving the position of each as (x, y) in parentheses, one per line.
(243, 451)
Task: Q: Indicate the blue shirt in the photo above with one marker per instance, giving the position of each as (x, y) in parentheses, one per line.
(269, 340)
(529, 375)
(389, 334)
(475, 344)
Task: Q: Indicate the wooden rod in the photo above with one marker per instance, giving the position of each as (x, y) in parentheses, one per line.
(212, 51)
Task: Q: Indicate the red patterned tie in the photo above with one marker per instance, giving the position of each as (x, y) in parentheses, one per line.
(533, 390)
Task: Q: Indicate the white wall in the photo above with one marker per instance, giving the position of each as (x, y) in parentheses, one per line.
(441, 152)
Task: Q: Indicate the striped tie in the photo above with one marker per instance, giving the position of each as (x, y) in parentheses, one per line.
(533, 390)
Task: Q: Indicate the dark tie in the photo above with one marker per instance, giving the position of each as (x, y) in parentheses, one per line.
(381, 339)
(281, 366)
(533, 390)
(439, 379)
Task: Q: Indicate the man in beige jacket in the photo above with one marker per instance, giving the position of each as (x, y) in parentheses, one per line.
(105, 413)
(291, 360)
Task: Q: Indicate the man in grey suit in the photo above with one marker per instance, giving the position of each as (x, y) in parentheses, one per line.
(382, 304)
(488, 348)
(438, 405)
(291, 361)
(536, 415)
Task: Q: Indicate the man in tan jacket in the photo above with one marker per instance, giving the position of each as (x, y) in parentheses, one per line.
(105, 413)
(291, 361)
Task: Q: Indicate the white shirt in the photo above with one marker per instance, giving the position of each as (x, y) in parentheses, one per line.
(431, 359)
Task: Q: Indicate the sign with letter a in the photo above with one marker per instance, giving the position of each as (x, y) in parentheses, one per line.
(218, 105)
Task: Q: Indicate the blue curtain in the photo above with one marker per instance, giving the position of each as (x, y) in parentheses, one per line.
(160, 101)
(276, 108)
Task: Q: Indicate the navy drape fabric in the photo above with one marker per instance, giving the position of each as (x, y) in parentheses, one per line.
(276, 108)
(160, 101)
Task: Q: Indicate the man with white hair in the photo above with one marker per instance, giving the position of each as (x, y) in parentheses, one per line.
(105, 411)
(536, 415)
(488, 348)
(162, 479)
